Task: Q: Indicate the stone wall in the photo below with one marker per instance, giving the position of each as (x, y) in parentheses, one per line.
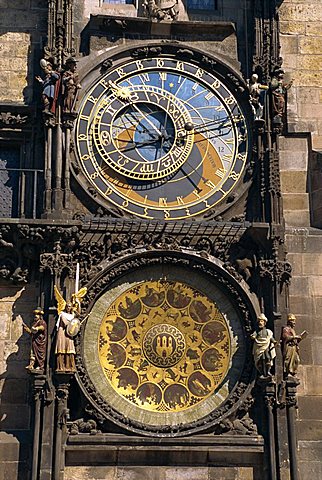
(305, 254)
(16, 305)
(301, 39)
(301, 174)
(158, 473)
(14, 49)
(22, 28)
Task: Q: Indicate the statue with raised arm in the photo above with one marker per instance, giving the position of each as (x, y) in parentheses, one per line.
(38, 333)
(264, 347)
(290, 346)
(257, 93)
(67, 326)
(50, 86)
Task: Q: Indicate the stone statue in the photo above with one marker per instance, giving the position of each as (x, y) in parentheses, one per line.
(161, 9)
(71, 86)
(264, 347)
(50, 86)
(279, 89)
(68, 326)
(257, 93)
(38, 333)
(290, 346)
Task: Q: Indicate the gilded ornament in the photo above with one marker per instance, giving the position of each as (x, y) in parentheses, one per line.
(164, 346)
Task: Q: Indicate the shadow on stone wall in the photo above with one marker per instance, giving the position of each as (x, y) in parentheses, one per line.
(22, 33)
(315, 188)
(16, 305)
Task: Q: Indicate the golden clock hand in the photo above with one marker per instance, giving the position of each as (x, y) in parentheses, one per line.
(163, 136)
(124, 94)
(147, 119)
(212, 125)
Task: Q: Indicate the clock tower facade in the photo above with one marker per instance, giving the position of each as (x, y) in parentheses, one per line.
(154, 242)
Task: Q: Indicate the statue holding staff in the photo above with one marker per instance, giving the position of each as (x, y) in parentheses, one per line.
(71, 85)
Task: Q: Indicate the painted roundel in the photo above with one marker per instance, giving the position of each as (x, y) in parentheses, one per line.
(163, 351)
(164, 346)
(161, 138)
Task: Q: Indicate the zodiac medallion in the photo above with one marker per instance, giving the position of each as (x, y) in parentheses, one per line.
(164, 346)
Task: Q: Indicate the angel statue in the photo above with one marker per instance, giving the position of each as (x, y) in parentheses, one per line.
(68, 326)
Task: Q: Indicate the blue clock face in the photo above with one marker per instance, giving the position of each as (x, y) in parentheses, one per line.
(162, 138)
(149, 132)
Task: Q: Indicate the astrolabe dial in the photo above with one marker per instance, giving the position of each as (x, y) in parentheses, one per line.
(164, 346)
(146, 139)
(162, 138)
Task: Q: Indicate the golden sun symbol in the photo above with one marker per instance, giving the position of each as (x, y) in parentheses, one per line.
(123, 93)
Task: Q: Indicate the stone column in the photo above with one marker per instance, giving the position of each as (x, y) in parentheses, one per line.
(48, 169)
(38, 391)
(269, 391)
(62, 413)
(291, 406)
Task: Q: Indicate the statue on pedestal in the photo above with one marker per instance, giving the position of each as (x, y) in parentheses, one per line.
(38, 333)
(71, 86)
(68, 326)
(279, 89)
(50, 86)
(257, 93)
(290, 346)
(264, 347)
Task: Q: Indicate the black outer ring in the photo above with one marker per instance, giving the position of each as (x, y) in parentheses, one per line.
(213, 270)
(91, 71)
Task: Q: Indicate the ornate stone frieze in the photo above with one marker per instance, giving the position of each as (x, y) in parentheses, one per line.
(60, 30)
(13, 119)
(276, 270)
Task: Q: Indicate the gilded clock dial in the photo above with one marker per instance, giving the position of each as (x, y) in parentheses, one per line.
(146, 139)
(164, 346)
(162, 138)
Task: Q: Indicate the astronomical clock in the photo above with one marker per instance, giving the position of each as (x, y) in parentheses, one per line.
(163, 137)
(152, 226)
(164, 347)
(162, 134)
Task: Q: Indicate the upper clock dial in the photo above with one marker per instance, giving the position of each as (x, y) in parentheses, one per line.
(162, 138)
(146, 138)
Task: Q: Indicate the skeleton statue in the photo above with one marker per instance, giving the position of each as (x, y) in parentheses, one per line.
(257, 93)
